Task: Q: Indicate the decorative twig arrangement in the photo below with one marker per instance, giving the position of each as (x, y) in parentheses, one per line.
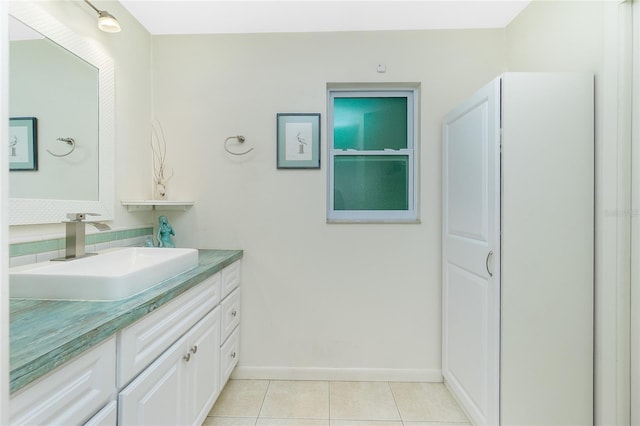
(159, 148)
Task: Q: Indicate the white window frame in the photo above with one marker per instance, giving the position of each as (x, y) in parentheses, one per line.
(410, 215)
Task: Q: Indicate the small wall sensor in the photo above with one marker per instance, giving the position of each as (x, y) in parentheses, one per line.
(382, 68)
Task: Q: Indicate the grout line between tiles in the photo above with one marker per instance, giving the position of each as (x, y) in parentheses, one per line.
(264, 398)
(395, 401)
(329, 390)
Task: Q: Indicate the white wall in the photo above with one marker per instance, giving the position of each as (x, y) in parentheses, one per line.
(131, 54)
(583, 36)
(315, 296)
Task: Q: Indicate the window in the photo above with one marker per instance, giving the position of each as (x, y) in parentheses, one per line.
(371, 146)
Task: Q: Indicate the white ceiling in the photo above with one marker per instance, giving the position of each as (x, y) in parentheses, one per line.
(260, 16)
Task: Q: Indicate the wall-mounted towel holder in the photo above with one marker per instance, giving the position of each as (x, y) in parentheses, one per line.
(69, 141)
(240, 139)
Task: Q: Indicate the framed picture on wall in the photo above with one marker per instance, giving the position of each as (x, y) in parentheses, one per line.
(23, 144)
(298, 136)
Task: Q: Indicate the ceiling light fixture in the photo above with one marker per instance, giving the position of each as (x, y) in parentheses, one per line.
(106, 21)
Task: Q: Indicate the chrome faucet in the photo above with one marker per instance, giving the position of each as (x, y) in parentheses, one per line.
(75, 235)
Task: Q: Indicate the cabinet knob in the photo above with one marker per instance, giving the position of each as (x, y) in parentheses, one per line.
(234, 313)
(233, 355)
(187, 357)
(194, 349)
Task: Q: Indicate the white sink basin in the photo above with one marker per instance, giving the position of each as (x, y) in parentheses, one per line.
(110, 275)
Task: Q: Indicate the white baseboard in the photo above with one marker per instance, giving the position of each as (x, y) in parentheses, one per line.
(338, 374)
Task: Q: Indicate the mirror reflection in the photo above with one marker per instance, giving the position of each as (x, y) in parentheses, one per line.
(60, 90)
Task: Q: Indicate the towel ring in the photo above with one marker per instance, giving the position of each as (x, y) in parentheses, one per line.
(240, 139)
(69, 141)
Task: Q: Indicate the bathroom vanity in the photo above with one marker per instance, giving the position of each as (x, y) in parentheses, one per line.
(158, 357)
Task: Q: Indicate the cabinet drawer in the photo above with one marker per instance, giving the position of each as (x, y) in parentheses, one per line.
(230, 278)
(229, 354)
(71, 393)
(145, 340)
(230, 313)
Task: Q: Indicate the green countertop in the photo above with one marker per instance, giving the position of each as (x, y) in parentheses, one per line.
(47, 333)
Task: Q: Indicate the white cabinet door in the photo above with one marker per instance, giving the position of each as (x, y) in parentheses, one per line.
(471, 253)
(157, 396)
(203, 368)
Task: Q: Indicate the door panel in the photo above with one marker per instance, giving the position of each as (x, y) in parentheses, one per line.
(468, 176)
(471, 248)
(467, 332)
(156, 397)
(204, 368)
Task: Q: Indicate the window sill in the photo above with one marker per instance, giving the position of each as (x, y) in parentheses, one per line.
(375, 221)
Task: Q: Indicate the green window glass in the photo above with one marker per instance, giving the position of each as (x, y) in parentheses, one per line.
(371, 182)
(370, 123)
(371, 156)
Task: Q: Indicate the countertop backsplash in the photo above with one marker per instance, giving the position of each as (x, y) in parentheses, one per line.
(52, 246)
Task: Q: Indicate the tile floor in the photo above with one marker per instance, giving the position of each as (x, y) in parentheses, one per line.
(325, 403)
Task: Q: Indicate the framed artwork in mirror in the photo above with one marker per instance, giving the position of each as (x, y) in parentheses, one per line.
(23, 144)
(298, 136)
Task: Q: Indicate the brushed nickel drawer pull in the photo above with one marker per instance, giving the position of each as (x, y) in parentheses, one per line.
(486, 263)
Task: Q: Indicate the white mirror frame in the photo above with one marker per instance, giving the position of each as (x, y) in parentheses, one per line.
(25, 211)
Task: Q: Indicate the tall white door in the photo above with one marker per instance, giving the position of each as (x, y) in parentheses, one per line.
(471, 253)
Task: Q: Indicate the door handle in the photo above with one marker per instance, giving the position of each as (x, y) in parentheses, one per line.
(486, 262)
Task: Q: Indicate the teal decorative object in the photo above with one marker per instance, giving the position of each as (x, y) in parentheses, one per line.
(149, 242)
(165, 231)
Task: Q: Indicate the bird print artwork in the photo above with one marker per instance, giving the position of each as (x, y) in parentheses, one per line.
(297, 138)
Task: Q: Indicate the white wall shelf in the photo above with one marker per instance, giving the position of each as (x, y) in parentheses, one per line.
(147, 205)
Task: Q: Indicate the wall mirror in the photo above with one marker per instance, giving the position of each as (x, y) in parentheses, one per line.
(72, 100)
